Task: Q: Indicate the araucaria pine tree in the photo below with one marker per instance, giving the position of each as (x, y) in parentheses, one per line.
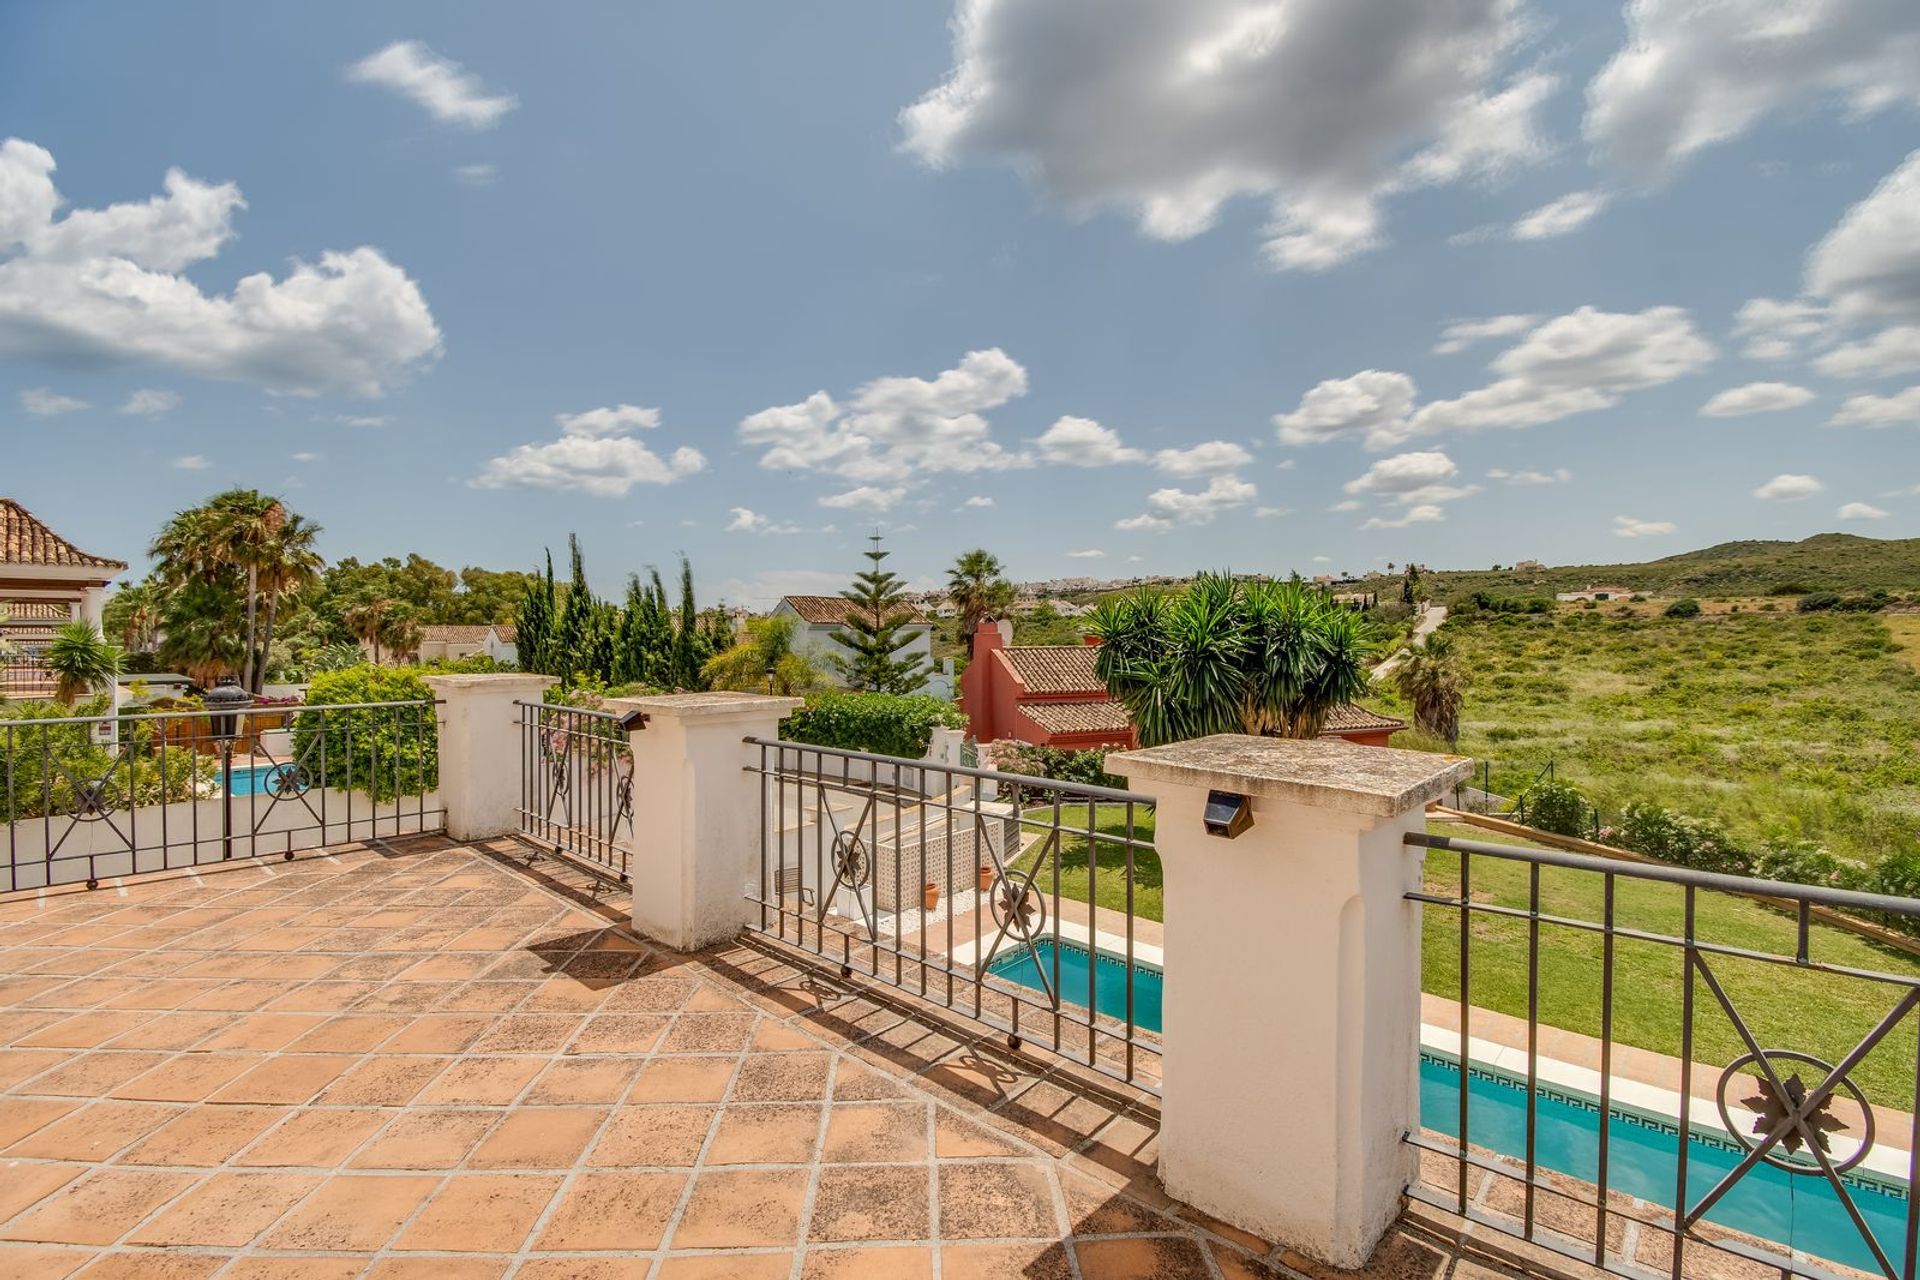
(875, 633)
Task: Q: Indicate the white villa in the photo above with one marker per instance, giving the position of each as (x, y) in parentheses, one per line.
(818, 621)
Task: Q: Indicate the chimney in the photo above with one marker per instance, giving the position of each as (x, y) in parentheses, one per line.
(1094, 641)
(992, 634)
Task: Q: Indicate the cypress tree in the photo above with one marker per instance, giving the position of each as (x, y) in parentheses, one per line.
(686, 649)
(875, 631)
(572, 631)
(533, 624)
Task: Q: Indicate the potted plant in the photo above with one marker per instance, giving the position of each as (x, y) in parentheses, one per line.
(986, 877)
(930, 896)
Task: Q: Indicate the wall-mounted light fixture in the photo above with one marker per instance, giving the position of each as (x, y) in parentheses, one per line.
(1227, 814)
(633, 720)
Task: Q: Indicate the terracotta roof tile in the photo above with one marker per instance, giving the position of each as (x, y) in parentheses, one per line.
(1351, 717)
(1078, 717)
(1054, 668)
(454, 633)
(829, 610)
(25, 540)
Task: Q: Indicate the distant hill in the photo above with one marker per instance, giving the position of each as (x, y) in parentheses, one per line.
(1824, 562)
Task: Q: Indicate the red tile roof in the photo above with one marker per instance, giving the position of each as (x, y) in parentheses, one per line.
(1054, 668)
(1078, 717)
(1351, 717)
(454, 633)
(25, 540)
(830, 610)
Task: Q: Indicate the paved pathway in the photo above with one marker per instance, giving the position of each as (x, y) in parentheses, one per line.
(1430, 620)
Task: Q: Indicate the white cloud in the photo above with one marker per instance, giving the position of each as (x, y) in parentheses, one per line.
(1168, 507)
(1426, 513)
(1271, 513)
(594, 454)
(107, 285)
(1346, 504)
(1559, 217)
(1860, 511)
(147, 401)
(1373, 404)
(1090, 553)
(1868, 266)
(1575, 363)
(1529, 476)
(449, 92)
(1755, 397)
(362, 419)
(1210, 458)
(1690, 75)
(44, 402)
(1082, 442)
(1631, 527)
(1879, 411)
(1405, 473)
(191, 462)
(1886, 354)
(615, 420)
(978, 500)
(1461, 334)
(1788, 488)
(1323, 108)
(476, 175)
(1777, 330)
(865, 498)
(306, 457)
(747, 521)
(896, 431)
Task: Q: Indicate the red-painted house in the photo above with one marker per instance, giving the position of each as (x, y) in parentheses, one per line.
(1045, 694)
(1048, 695)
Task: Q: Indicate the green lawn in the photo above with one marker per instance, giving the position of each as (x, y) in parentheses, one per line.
(1775, 724)
(1109, 876)
(1784, 1007)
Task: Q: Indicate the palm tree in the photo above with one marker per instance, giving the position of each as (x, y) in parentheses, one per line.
(290, 565)
(1224, 656)
(133, 615)
(367, 621)
(81, 660)
(199, 636)
(1434, 679)
(977, 588)
(762, 658)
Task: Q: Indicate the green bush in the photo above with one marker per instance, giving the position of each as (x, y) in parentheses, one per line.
(1818, 601)
(1688, 608)
(1869, 602)
(1058, 764)
(1790, 588)
(1683, 841)
(1558, 807)
(886, 724)
(46, 769)
(384, 751)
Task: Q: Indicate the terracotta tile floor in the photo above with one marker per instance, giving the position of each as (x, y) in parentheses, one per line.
(424, 1060)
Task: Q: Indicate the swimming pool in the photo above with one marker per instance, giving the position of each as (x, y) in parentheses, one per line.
(1643, 1151)
(1016, 964)
(254, 780)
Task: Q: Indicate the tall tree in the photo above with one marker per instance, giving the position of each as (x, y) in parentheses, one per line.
(1227, 656)
(288, 567)
(1410, 586)
(1434, 679)
(978, 588)
(533, 626)
(686, 643)
(875, 633)
(573, 628)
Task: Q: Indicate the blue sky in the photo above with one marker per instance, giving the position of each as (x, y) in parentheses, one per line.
(1159, 282)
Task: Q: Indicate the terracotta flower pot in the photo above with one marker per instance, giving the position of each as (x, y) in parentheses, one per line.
(986, 879)
(930, 896)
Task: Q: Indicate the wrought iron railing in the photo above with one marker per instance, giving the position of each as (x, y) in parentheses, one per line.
(1777, 1155)
(1005, 899)
(85, 797)
(576, 784)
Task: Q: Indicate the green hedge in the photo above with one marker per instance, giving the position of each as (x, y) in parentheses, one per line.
(885, 724)
(45, 766)
(383, 752)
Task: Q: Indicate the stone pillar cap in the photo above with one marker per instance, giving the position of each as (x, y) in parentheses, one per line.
(1382, 782)
(489, 680)
(712, 705)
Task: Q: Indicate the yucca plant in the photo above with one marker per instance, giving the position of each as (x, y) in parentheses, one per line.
(1435, 680)
(81, 660)
(1226, 656)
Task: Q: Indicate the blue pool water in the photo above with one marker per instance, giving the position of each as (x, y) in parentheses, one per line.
(1792, 1209)
(253, 780)
(1016, 965)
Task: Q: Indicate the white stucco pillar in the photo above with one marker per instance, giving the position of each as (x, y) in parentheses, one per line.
(697, 813)
(480, 750)
(93, 606)
(1292, 1007)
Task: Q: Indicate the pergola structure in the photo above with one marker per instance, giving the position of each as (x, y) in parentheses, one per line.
(45, 580)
